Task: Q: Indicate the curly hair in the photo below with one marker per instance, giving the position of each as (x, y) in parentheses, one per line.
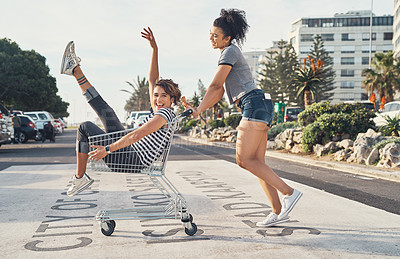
(170, 88)
(233, 23)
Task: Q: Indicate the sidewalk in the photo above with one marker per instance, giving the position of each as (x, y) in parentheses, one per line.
(370, 171)
(40, 221)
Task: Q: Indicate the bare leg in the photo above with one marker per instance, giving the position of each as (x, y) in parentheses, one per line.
(270, 191)
(81, 159)
(250, 135)
(82, 81)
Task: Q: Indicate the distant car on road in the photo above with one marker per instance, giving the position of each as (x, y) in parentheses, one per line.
(291, 113)
(6, 128)
(391, 109)
(133, 116)
(58, 126)
(41, 118)
(28, 128)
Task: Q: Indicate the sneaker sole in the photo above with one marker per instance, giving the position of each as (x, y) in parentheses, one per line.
(274, 223)
(83, 187)
(293, 204)
(65, 52)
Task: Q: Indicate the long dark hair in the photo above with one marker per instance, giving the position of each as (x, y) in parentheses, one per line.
(233, 23)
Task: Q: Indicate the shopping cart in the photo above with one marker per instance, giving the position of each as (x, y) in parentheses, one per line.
(123, 161)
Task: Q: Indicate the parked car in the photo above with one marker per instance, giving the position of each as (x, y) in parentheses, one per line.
(133, 116)
(140, 120)
(40, 118)
(28, 128)
(58, 126)
(6, 128)
(391, 109)
(291, 113)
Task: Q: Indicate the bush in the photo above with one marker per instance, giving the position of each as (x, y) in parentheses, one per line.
(216, 124)
(275, 130)
(392, 127)
(233, 120)
(312, 134)
(192, 123)
(185, 128)
(383, 143)
(326, 121)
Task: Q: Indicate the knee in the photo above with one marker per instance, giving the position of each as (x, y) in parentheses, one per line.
(242, 162)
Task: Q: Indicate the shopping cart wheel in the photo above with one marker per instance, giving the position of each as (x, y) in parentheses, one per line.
(107, 227)
(192, 231)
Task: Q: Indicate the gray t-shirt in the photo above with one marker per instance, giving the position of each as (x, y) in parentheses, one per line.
(239, 80)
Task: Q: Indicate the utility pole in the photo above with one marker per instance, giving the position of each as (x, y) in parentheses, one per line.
(370, 36)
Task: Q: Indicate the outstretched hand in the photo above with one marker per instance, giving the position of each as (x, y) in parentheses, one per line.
(148, 35)
(97, 154)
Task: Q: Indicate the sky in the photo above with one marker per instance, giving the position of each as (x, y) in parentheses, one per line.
(107, 38)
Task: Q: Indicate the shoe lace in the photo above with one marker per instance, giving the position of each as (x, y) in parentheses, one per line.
(269, 217)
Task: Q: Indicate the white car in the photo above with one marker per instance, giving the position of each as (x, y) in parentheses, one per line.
(139, 121)
(391, 109)
(40, 118)
(133, 116)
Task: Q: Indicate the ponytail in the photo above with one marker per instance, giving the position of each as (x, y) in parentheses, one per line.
(233, 23)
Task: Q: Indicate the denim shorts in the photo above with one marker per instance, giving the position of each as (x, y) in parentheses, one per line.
(255, 107)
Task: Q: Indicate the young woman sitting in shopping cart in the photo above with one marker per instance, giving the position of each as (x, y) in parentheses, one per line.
(142, 142)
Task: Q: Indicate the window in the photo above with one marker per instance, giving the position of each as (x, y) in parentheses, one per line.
(348, 49)
(305, 50)
(347, 84)
(306, 37)
(329, 49)
(365, 60)
(347, 73)
(365, 48)
(42, 116)
(347, 37)
(347, 61)
(365, 36)
(387, 35)
(386, 48)
(327, 37)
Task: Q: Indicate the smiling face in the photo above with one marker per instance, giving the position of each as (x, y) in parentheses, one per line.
(161, 99)
(218, 39)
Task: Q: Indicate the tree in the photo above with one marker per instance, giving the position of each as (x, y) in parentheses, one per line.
(201, 88)
(139, 100)
(278, 73)
(26, 83)
(318, 52)
(308, 79)
(384, 76)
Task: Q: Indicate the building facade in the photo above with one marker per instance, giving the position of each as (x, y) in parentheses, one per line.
(347, 39)
(396, 28)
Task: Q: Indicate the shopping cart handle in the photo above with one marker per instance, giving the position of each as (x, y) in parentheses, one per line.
(186, 113)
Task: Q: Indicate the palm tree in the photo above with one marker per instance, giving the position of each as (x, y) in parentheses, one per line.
(139, 100)
(383, 77)
(307, 80)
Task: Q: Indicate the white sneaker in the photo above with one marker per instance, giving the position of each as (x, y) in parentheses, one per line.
(69, 60)
(271, 220)
(288, 203)
(79, 185)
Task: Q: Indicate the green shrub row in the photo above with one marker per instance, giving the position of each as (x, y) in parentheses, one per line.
(383, 143)
(278, 128)
(322, 121)
(216, 123)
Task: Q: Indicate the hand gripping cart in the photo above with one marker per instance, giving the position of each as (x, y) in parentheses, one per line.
(123, 161)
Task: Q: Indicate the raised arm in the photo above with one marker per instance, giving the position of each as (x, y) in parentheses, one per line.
(215, 91)
(153, 71)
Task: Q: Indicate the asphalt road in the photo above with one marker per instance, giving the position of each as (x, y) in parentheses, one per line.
(378, 193)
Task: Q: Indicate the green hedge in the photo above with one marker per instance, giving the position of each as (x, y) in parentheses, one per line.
(216, 124)
(278, 128)
(322, 121)
(233, 120)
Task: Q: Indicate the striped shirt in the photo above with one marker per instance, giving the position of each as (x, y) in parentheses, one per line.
(150, 147)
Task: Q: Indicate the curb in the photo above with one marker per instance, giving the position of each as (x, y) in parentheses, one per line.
(364, 170)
